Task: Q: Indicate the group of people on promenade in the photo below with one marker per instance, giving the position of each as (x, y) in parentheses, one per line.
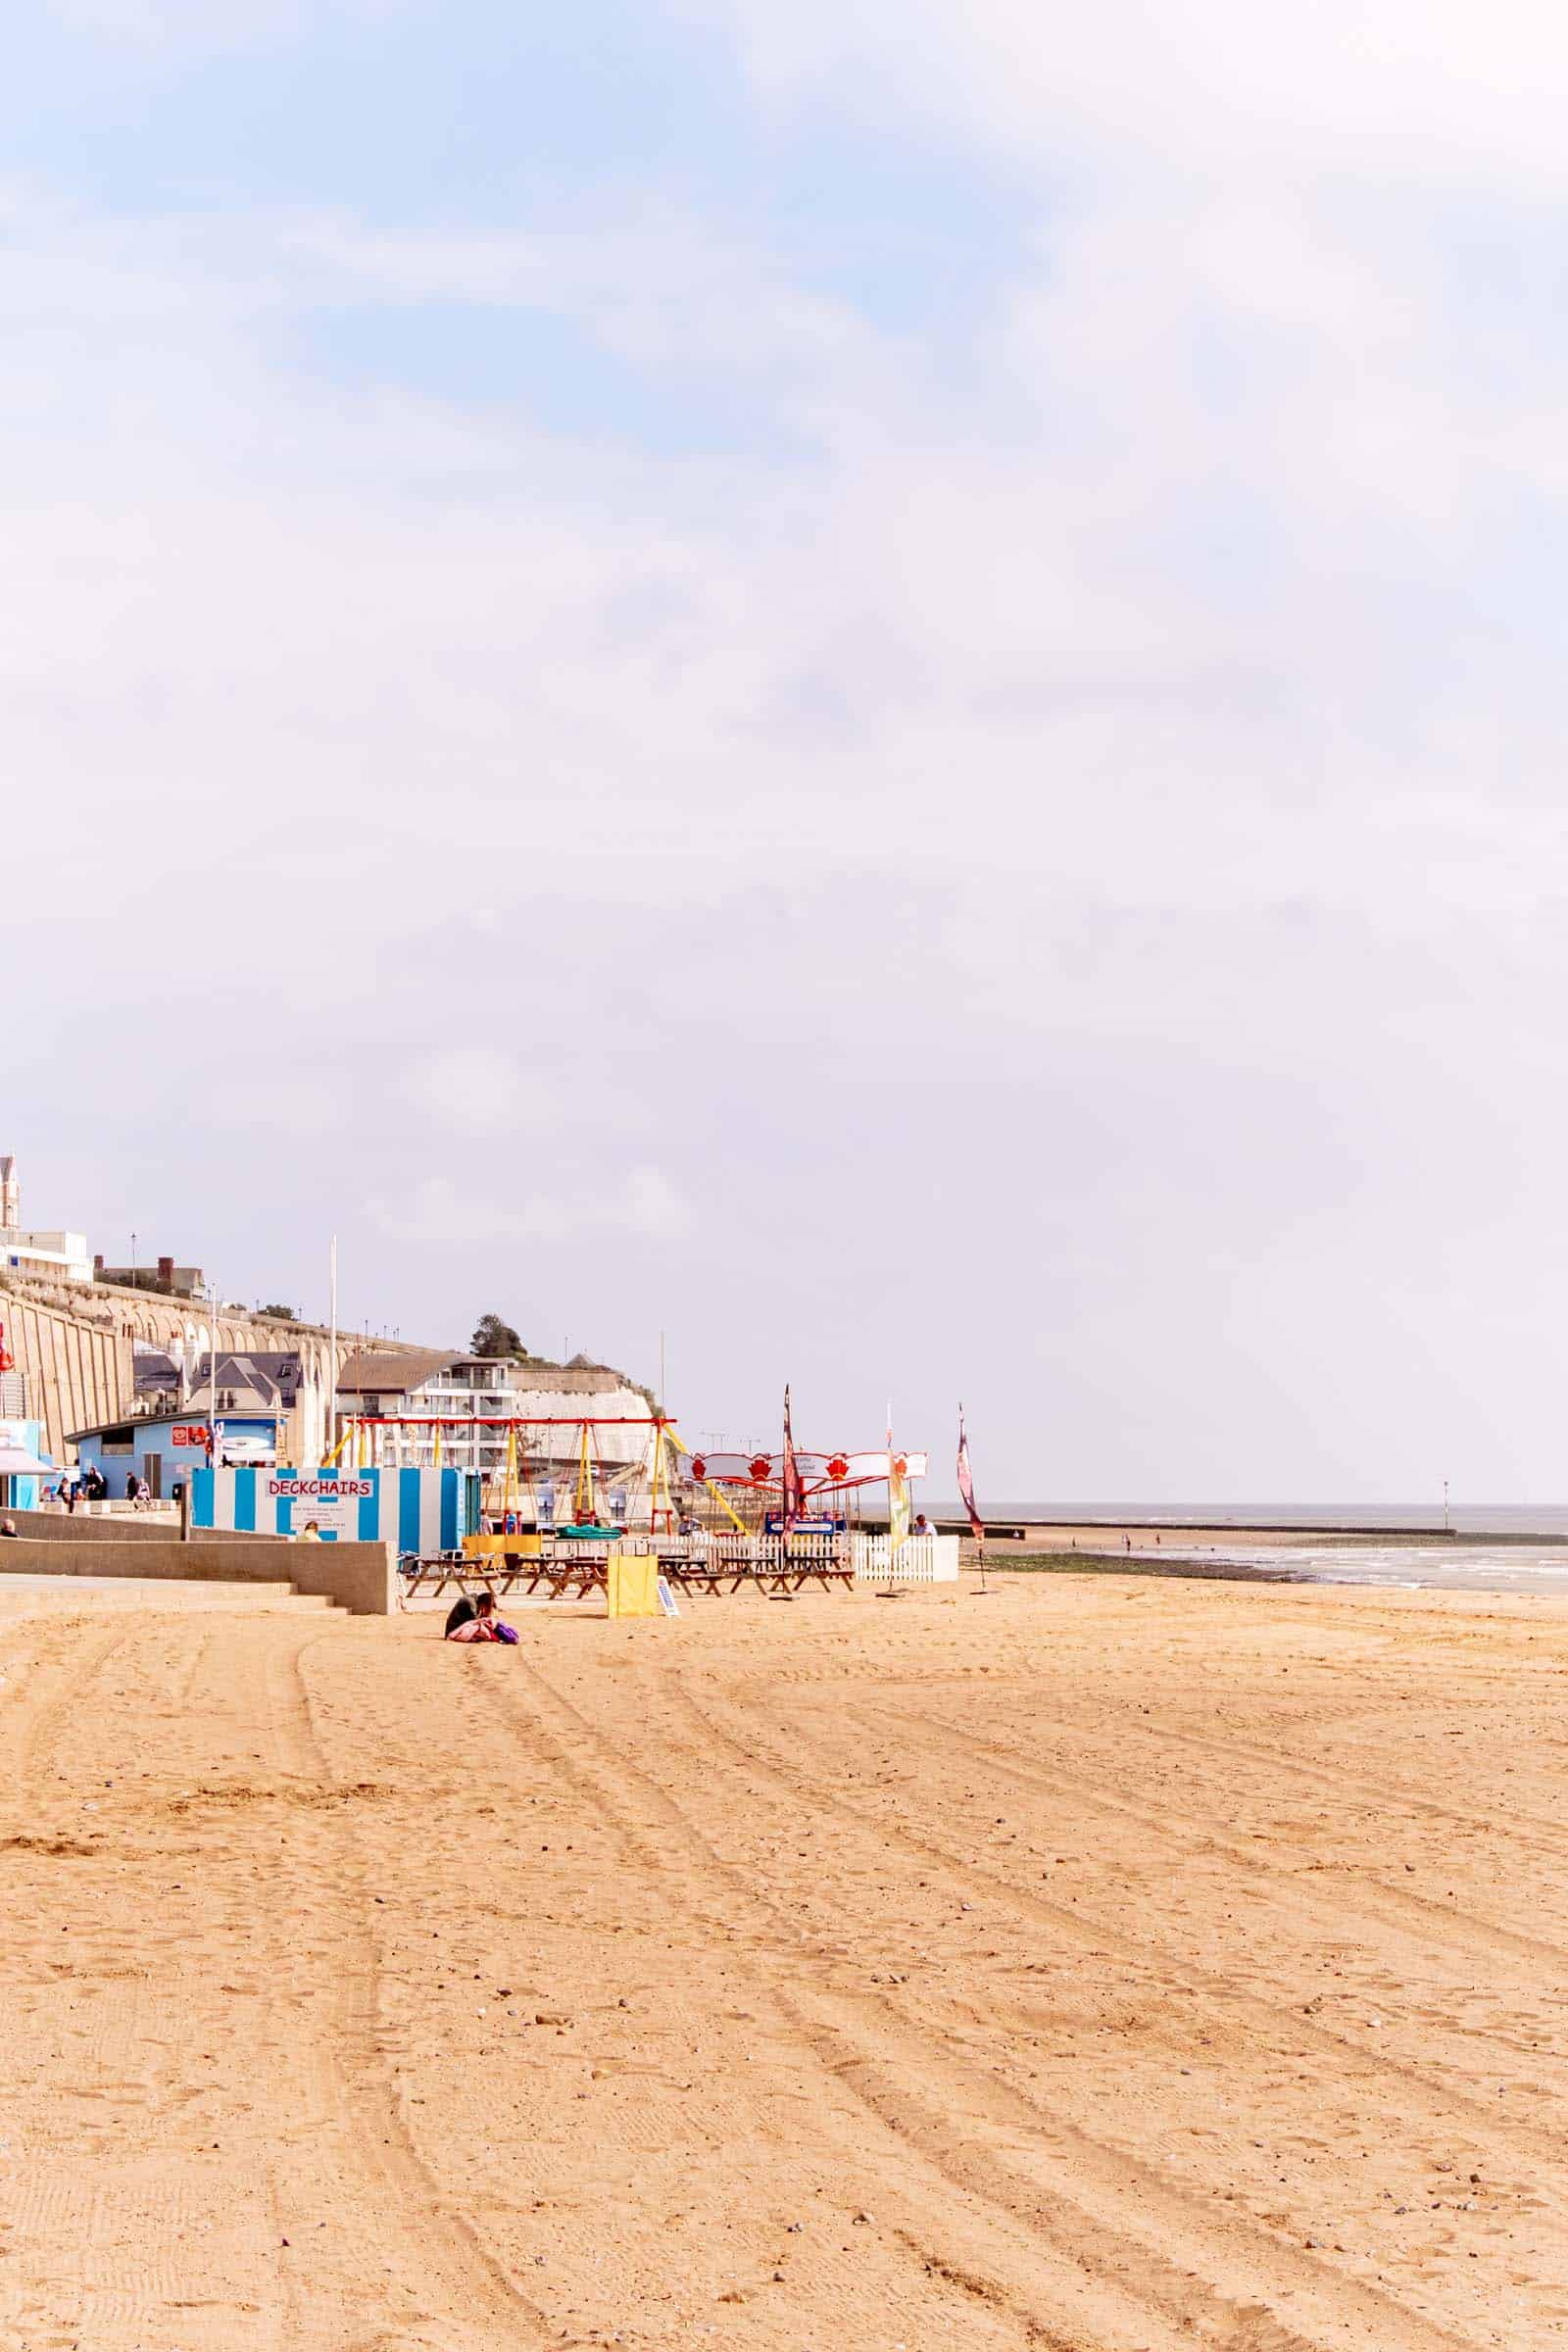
(90, 1486)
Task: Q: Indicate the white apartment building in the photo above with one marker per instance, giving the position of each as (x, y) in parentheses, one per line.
(467, 1388)
(36, 1257)
(45, 1256)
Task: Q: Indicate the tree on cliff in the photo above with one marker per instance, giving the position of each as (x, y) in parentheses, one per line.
(492, 1338)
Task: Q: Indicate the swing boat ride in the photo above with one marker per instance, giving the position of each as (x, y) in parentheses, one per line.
(556, 1510)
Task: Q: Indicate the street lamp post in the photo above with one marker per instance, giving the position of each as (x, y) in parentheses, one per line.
(331, 1352)
(211, 1367)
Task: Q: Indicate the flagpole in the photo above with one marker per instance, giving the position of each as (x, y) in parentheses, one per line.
(789, 1484)
(898, 1511)
(331, 1350)
(966, 1496)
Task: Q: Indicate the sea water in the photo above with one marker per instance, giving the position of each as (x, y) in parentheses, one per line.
(1512, 1564)
(1465, 1519)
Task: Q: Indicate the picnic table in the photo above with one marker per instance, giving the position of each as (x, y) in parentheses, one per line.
(768, 1566)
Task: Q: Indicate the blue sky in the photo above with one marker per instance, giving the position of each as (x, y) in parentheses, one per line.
(879, 687)
(502, 119)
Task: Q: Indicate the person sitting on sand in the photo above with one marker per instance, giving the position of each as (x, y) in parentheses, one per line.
(482, 1623)
(459, 1613)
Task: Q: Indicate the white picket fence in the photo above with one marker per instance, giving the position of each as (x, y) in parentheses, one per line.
(922, 1560)
(765, 1554)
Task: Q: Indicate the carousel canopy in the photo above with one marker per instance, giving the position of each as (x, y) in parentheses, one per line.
(818, 1470)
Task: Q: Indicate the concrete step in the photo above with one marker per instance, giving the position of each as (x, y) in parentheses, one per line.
(23, 1593)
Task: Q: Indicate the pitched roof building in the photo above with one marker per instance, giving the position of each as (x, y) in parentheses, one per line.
(464, 1392)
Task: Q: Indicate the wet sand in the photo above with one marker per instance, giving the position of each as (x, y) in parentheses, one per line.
(1106, 1965)
(1452, 1563)
(1099, 1536)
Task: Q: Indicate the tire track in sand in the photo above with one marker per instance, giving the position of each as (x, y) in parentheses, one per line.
(1389, 1906)
(425, 2241)
(993, 2245)
(1483, 2125)
(1224, 1996)
(1534, 1830)
(1114, 2168)
(1115, 2219)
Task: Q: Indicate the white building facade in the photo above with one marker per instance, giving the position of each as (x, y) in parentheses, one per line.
(36, 1257)
(45, 1256)
(464, 1392)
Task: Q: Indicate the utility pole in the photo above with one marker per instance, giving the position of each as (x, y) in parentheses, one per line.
(332, 1354)
(212, 1366)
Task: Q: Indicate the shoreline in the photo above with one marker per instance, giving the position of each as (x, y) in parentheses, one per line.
(1288, 1531)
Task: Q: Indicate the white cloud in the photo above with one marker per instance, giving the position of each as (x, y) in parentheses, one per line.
(649, 1204)
(1149, 728)
(260, 1096)
(644, 1203)
(481, 1087)
(1437, 90)
(210, 27)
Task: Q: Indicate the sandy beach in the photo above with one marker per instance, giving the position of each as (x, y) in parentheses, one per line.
(1109, 1965)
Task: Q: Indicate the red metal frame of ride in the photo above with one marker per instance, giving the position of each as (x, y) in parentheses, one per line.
(511, 1420)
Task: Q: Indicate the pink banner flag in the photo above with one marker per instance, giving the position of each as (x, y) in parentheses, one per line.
(977, 1526)
(793, 1497)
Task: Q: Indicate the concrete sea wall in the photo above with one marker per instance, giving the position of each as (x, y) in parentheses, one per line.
(360, 1578)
